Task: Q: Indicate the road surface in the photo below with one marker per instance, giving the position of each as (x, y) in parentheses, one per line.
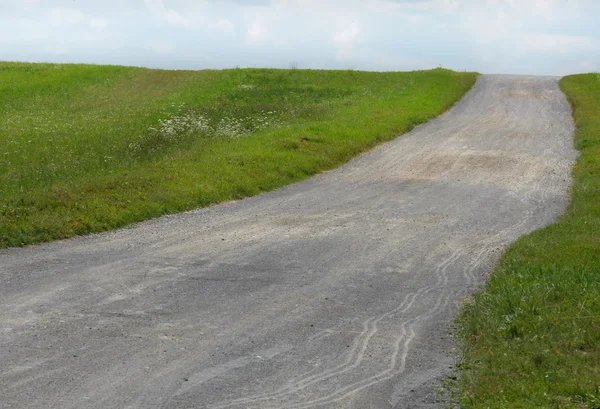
(337, 292)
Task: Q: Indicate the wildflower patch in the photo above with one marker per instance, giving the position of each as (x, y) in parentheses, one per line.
(188, 123)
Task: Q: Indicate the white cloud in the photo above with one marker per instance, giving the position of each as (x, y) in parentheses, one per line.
(552, 43)
(256, 32)
(190, 16)
(543, 8)
(23, 29)
(58, 49)
(160, 47)
(175, 18)
(224, 25)
(348, 35)
(451, 6)
(97, 22)
(61, 16)
(589, 66)
(158, 8)
(520, 36)
(419, 6)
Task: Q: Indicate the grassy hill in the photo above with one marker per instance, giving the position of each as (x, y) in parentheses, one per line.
(90, 148)
(532, 335)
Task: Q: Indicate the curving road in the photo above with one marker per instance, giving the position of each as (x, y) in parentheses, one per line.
(337, 292)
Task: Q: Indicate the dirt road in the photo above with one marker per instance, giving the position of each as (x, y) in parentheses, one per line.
(337, 292)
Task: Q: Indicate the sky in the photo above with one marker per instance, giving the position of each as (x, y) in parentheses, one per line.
(545, 37)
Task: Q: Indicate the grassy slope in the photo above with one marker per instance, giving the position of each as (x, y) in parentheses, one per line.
(532, 336)
(77, 154)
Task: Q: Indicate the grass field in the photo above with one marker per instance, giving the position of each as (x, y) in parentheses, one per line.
(532, 335)
(90, 148)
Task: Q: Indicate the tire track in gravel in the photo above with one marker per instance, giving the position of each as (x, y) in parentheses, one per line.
(337, 292)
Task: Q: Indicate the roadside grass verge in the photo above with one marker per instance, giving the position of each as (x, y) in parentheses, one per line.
(91, 148)
(532, 335)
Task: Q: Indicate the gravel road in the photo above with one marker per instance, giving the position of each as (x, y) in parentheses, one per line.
(337, 292)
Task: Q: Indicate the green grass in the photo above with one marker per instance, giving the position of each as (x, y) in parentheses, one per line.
(532, 335)
(90, 148)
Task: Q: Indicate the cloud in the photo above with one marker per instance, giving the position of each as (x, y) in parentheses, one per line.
(190, 16)
(58, 50)
(544, 8)
(169, 15)
(348, 35)
(160, 47)
(61, 16)
(589, 66)
(175, 18)
(552, 43)
(519, 36)
(418, 6)
(256, 32)
(224, 25)
(97, 22)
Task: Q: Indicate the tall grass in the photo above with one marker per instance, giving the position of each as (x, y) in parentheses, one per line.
(89, 148)
(532, 335)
